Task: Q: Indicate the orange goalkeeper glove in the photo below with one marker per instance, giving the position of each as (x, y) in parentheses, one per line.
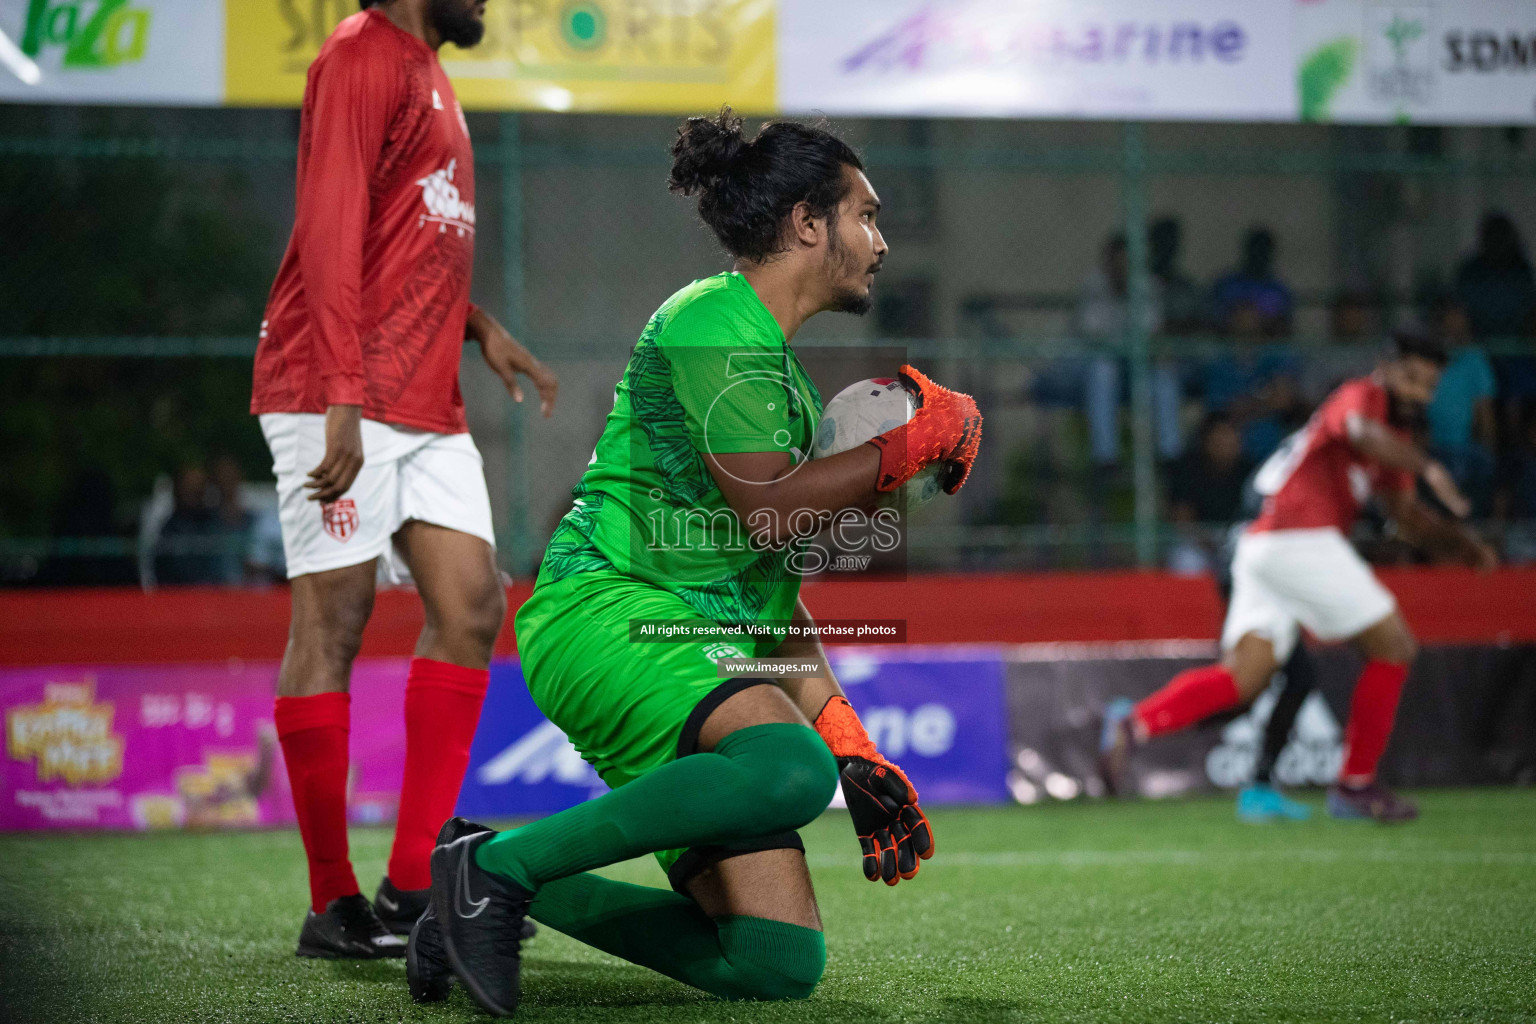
(946, 427)
(892, 829)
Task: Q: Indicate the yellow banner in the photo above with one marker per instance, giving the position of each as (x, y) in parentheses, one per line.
(620, 56)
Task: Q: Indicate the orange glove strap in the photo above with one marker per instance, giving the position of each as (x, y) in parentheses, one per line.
(844, 734)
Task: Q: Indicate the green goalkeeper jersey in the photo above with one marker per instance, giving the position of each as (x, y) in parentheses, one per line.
(710, 373)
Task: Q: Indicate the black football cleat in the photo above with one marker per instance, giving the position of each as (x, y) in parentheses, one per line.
(428, 974)
(399, 908)
(480, 916)
(427, 971)
(348, 930)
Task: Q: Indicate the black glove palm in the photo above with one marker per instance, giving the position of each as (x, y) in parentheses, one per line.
(891, 827)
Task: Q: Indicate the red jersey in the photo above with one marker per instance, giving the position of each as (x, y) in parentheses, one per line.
(370, 303)
(1317, 478)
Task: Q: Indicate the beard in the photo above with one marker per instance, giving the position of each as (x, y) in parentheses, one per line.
(1406, 415)
(841, 261)
(456, 22)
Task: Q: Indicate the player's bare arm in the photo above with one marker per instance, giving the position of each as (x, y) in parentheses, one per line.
(507, 358)
(778, 500)
(767, 489)
(1436, 535)
(1376, 441)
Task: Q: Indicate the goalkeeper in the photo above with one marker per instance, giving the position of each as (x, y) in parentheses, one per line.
(692, 510)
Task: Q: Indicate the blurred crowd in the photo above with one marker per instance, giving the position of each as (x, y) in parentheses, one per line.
(1250, 387)
(209, 525)
(1231, 377)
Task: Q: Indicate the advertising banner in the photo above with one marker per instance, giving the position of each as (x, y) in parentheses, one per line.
(610, 55)
(1444, 62)
(1467, 717)
(177, 746)
(937, 712)
(116, 51)
(1194, 59)
(190, 746)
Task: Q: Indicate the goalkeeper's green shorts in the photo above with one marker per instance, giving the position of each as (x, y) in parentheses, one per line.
(629, 706)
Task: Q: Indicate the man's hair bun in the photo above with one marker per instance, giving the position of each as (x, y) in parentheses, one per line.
(706, 150)
(747, 188)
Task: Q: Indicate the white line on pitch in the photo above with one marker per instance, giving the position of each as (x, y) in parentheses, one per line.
(1113, 858)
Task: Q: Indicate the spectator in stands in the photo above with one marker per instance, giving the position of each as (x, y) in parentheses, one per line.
(233, 523)
(1516, 499)
(1495, 283)
(1255, 383)
(1461, 417)
(1206, 487)
(1103, 302)
(1498, 289)
(188, 540)
(1183, 301)
(1104, 316)
(1354, 336)
(1254, 283)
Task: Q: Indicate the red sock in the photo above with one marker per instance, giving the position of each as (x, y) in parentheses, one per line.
(314, 732)
(442, 708)
(1371, 711)
(1189, 697)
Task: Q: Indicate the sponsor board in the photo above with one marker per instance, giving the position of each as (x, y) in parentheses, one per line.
(150, 747)
(1195, 59)
(1365, 61)
(116, 51)
(560, 55)
(939, 718)
(1465, 719)
(520, 763)
(147, 747)
(1430, 61)
(936, 712)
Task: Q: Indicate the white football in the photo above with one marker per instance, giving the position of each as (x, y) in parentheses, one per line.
(865, 410)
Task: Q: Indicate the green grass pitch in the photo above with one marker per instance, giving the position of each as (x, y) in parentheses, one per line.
(1083, 912)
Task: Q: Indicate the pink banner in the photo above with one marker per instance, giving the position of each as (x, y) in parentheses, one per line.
(177, 746)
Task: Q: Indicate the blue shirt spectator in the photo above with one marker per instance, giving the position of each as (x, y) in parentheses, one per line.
(1460, 418)
(1254, 284)
(1465, 386)
(1254, 384)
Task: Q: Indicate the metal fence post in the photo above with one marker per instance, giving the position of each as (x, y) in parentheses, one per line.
(1138, 341)
(514, 307)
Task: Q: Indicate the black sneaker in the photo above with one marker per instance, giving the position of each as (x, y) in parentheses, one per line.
(480, 916)
(427, 971)
(348, 930)
(399, 908)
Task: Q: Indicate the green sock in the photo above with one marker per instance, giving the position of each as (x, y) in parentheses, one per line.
(758, 781)
(732, 957)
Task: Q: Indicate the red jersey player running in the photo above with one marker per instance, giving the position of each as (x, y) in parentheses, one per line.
(1294, 567)
(356, 385)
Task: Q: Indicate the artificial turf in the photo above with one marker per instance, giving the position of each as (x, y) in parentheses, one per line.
(1154, 911)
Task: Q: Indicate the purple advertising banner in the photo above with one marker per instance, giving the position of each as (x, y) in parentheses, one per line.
(144, 747)
(177, 746)
(938, 712)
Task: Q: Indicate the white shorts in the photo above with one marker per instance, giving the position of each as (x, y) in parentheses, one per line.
(1282, 579)
(407, 474)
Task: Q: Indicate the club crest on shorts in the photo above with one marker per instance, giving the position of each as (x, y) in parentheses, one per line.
(340, 518)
